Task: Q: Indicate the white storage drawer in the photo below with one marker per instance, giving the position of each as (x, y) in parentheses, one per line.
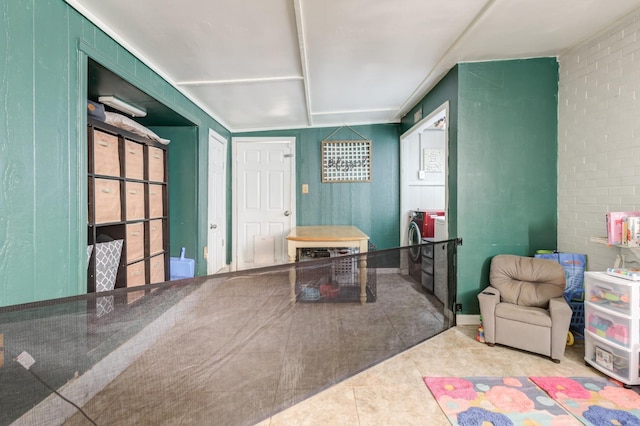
(614, 328)
(610, 360)
(611, 293)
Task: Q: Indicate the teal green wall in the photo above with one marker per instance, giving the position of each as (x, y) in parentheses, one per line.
(502, 163)
(503, 154)
(507, 165)
(183, 205)
(372, 206)
(43, 196)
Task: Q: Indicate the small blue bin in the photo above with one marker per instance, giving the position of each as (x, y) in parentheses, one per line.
(180, 267)
(577, 317)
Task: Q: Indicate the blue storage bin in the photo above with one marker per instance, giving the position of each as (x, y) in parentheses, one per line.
(577, 317)
(180, 267)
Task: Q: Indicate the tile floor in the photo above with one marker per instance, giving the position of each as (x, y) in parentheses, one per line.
(393, 393)
(244, 353)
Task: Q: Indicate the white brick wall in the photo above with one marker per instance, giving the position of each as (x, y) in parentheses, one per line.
(598, 138)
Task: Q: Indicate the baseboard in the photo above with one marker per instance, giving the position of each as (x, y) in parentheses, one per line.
(467, 319)
(388, 271)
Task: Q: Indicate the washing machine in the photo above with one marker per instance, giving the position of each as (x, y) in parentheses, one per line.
(414, 235)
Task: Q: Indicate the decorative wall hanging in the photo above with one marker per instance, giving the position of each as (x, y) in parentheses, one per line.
(346, 160)
(433, 160)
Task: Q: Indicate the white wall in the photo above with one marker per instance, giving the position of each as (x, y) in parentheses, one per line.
(428, 191)
(598, 138)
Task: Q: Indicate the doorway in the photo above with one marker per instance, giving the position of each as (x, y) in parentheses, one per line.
(423, 171)
(263, 200)
(217, 224)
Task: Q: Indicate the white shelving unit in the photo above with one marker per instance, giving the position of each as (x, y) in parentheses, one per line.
(635, 251)
(612, 326)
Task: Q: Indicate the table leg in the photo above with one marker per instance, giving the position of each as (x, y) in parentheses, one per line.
(292, 252)
(363, 279)
(364, 247)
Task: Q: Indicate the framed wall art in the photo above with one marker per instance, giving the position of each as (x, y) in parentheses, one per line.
(346, 161)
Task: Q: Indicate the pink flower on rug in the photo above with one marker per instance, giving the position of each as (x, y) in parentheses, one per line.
(509, 399)
(624, 398)
(562, 385)
(453, 387)
(512, 381)
(564, 420)
(453, 406)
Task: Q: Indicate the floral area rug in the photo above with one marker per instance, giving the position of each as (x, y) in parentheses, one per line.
(593, 400)
(496, 401)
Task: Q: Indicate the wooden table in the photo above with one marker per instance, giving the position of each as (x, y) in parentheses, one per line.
(328, 236)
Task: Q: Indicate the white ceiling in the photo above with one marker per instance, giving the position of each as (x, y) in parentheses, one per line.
(282, 64)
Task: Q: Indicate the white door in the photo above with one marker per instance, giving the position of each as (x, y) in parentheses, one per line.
(217, 225)
(264, 200)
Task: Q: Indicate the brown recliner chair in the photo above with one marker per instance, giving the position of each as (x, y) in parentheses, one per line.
(524, 307)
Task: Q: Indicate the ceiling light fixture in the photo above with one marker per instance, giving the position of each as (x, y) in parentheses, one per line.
(122, 106)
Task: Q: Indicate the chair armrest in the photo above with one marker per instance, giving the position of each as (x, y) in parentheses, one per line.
(560, 312)
(489, 298)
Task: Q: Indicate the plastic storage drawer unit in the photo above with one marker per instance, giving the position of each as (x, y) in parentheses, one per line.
(613, 362)
(612, 326)
(610, 292)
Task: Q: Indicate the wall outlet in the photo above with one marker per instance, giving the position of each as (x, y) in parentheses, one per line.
(305, 188)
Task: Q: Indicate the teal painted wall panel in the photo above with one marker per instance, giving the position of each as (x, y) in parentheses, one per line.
(507, 165)
(52, 148)
(43, 148)
(183, 173)
(127, 61)
(17, 203)
(373, 207)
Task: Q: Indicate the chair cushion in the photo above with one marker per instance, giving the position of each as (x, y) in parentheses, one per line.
(526, 314)
(527, 281)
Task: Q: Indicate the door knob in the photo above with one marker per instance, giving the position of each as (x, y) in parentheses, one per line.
(213, 226)
(286, 213)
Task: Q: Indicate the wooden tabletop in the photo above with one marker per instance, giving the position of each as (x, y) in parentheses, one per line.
(326, 233)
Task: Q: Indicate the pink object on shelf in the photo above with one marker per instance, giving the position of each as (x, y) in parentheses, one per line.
(614, 226)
